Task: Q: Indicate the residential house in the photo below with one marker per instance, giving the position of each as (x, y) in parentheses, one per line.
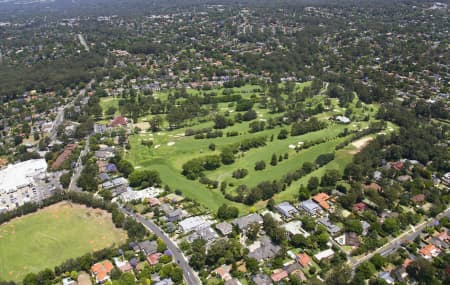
(311, 207)
(366, 227)
(261, 279)
(400, 273)
(279, 275)
(166, 281)
(103, 177)
(349, 239)
(360, 207)
(386, 276)
(153, 202)
(303, 259)
(325, 254)
(331, 228)
(223, 272)
(153, 259)
(101, 271)
(68, 281)
(224, 228)
(122, 264)
(174, 198)
(286, 209)
(206, 233)
(295, 228)
(171, 214)
(321, 199)
(244, 222)
(119, 121)
(100, 128)
(264, 249)
(429, 251)
(372, 186)
(418, 199)
(148, 247)
(193, 223)
(233, 281)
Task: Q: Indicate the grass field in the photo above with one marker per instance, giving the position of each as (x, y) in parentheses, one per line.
(52, 235)
(171, 149)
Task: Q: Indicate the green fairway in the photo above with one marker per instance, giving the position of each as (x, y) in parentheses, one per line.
(52, 235)
(171, 148)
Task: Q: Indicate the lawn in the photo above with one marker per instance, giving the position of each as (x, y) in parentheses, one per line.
(171, 149)
(52, 235)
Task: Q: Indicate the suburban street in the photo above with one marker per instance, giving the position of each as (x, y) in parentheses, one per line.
(78, 168)
(178, 256)
(396, 243)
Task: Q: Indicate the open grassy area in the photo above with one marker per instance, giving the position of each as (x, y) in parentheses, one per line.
(52, 235)
(171, 149)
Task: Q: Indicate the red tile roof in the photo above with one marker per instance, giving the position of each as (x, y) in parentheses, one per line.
(278, 276)
(359, 207)
(101, 270)
(119, 121)
(322, 199)
(303, 259)
(153, 259)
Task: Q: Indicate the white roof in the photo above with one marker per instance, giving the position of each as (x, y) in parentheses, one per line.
(192, 223)
(324, 254)
(294, 228)
(21, 174)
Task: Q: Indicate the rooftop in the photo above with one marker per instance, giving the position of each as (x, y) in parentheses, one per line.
(21, 174)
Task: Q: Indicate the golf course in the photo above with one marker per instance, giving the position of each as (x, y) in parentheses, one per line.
(171, 148)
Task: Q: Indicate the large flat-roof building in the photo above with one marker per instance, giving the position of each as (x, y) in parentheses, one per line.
(19, 183)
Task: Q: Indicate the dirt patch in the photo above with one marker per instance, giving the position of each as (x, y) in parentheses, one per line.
(360, 144)
(84, 279)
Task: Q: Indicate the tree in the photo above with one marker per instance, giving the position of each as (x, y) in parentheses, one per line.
(260, 165)
(313, 183)
(353, 225)
(252, 264)
(144, 178)
(227, 156)
(30, 279)
(378, 261)
(252, 231)
(330, 177)
(422, 271)
(283, 134)
(125, 167)
(339, 275)
(365, 270)
(220, 122)
(111, 111)
(390, 225)
(65, 179)
(127, 279)
(226, 212)
(274, 160)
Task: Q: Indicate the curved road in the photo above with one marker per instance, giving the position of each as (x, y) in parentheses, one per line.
(189, 273)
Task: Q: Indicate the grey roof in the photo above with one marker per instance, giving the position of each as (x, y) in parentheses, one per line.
(310, 206)
(148, 247)
(103, 177)
(267, 249)
(331, 228)
(207, 234)
(262, 279)
(166, 281)
(286, 209)
(224, 228)
(245, 221)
